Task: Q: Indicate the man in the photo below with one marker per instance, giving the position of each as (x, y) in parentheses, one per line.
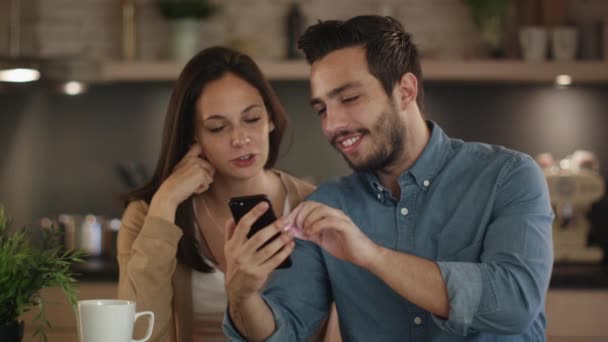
(430, 239)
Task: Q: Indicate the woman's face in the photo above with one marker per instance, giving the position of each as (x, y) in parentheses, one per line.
(233, 126)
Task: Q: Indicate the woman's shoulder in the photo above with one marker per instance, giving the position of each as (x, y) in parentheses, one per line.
(296, 185)
(135, 214)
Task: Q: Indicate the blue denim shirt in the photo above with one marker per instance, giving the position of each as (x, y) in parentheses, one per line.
(481, 212)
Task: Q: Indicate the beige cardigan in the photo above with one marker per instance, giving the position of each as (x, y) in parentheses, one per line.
(151, 276)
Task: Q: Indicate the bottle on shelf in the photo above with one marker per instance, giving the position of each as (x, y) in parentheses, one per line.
(294, 25)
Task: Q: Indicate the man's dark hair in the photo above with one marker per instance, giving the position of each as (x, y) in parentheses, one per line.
(390, 50)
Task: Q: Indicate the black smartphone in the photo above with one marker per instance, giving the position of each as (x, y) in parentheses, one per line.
(239, 206)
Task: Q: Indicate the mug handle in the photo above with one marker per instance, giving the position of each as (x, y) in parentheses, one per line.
(150, 324)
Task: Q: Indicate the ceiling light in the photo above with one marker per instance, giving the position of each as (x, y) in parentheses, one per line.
(563, 80)
(17, 67)
(73, 88)
(14, 68)
(19, 75)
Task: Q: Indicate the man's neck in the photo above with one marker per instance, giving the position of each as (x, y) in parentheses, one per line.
(417, 137)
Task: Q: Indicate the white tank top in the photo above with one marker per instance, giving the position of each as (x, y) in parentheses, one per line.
(209, 300)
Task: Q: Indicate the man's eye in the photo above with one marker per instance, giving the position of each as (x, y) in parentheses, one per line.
(351, 99)
(320, 111)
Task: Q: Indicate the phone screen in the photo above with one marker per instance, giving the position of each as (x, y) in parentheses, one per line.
(239, 206)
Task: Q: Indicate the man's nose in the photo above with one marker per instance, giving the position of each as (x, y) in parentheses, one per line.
(335, 120)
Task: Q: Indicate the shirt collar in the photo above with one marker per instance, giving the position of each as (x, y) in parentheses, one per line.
(427, 165)
(432, 158)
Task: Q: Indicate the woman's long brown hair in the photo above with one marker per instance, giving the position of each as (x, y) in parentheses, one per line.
(179, 132)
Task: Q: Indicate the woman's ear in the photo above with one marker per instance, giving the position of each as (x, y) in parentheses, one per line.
(271, 126)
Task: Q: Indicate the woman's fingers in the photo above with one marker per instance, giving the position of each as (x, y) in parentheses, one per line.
(244, 225)
(264, 235)
(272, 263)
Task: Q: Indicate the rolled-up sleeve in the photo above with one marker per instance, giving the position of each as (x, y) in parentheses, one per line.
(506, 290)
(299, 297)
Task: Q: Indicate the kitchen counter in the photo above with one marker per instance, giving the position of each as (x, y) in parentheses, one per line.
(564, 276)
(579, 276)
(97, 269)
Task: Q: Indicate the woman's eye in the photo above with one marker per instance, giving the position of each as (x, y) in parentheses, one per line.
(215, 129)
(252, 120)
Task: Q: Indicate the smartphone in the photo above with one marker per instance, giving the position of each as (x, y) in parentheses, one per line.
(239, 206)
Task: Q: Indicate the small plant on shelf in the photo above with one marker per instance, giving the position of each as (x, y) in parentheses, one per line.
(25, 269)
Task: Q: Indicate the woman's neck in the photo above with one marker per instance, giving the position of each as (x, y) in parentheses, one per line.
(222, 188)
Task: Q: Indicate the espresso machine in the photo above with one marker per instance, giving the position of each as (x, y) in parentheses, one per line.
(574, 185)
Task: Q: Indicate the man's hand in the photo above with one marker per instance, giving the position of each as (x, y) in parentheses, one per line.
(332, 230)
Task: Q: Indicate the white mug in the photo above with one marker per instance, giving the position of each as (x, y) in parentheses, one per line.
(564, 43)
(103, 320)
(533, 42)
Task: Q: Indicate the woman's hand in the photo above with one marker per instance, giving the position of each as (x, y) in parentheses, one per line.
(192, 175)
(248, 266)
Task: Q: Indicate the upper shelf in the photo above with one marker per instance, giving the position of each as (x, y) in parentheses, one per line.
(439, 70)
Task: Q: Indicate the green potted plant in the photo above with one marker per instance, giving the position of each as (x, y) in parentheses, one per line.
(185, 18)
(25, 269)
(489, 17)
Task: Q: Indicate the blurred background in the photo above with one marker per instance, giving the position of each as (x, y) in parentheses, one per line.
(531, 75)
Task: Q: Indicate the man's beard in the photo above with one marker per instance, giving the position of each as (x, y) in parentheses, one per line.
(387, 137)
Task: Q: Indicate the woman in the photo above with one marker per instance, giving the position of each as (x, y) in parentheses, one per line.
(221, 139)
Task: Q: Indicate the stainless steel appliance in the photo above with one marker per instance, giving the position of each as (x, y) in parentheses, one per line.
(574, 185)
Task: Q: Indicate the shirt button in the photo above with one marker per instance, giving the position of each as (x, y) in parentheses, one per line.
(417, 320)
(426, 183)
(404, 211)
(379, 196)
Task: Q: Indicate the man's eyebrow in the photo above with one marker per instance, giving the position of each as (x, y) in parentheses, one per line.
(335, 92)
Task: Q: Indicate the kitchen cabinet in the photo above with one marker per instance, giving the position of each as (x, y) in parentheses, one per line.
(59, 312)
(433, 70)
(577, 314)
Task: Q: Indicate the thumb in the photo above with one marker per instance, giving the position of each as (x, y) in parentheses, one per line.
(292, 219)
(229, 229)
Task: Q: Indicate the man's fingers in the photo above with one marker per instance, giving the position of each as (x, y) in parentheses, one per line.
(334, 223)
(305, 209)
(318, 213)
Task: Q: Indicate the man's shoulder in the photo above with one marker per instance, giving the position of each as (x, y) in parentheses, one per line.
(333, 190)
(487, 153)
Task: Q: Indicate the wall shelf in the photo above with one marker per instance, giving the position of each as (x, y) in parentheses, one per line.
(437, 70)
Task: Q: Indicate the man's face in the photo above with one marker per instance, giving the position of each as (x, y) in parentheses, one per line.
(357, 116)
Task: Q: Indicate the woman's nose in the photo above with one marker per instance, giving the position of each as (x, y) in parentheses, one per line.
(240, 138)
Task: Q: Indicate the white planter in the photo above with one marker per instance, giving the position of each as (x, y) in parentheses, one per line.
(184, 38)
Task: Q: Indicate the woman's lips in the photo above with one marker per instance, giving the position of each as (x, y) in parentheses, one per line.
(245, 160)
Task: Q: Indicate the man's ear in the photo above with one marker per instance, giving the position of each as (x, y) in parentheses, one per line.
(406, 90)
(271, 126)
